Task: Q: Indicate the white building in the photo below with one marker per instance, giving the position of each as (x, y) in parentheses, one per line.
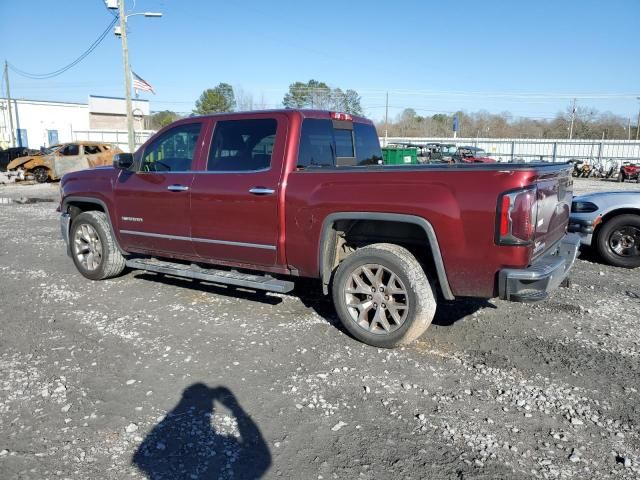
(39, 123)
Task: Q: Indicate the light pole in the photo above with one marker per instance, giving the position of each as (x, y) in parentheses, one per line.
(127, 69)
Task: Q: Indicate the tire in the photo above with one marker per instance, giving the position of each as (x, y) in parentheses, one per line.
(618, 241)
(375, 267)
(93, 247)
(41, 174)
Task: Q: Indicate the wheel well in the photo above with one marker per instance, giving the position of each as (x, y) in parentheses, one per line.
(613, 214)
(75, 208)
(344, 236)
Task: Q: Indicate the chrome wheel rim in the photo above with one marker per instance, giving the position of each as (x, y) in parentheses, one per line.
(87, 247)
(376, 299)
(625, 241)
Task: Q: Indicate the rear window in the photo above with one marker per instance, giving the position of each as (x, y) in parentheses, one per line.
(327, 143)
(242, 145)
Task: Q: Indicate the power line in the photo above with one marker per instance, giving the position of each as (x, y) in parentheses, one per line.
(60, 71)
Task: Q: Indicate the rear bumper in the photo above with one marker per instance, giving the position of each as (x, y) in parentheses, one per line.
(534, 283)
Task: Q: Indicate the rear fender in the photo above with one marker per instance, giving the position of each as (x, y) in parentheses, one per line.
(328, 239)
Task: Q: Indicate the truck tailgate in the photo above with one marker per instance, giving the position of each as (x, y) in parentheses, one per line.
(553, 202)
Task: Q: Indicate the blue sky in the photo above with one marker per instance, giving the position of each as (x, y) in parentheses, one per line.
(528, 58)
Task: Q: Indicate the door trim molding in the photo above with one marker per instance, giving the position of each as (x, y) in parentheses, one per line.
(201, 240)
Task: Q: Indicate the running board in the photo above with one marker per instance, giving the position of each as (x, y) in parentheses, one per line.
(247, 280)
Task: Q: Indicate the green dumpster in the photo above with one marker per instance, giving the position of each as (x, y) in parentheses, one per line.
(399, 156)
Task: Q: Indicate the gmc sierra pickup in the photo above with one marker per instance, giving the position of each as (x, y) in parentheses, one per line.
(257, 199)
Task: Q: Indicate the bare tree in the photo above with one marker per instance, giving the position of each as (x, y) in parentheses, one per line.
(244, 99)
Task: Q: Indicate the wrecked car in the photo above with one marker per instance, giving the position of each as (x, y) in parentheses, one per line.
(53, 162)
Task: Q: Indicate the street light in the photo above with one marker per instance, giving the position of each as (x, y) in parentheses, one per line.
(127, 68)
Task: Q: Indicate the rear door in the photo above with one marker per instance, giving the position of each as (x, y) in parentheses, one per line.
(234, 199)
(152, 202)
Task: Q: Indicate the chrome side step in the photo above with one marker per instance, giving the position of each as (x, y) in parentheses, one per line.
(247, 280)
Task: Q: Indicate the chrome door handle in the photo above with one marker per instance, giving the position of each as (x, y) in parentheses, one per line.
(262, 191)
(177, 188)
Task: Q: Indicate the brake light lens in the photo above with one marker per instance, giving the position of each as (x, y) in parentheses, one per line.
(517, 217)
(341, 116)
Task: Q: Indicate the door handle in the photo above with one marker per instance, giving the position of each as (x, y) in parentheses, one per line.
(177, 188)
(262, 191)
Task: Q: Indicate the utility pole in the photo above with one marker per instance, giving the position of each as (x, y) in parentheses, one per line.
(573, 117)
(637, 126)
(386, 119)
(12, 135)
(127, 77)
(629, 129)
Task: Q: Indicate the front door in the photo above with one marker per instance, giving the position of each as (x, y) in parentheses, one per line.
(234, 200)
(152, 202)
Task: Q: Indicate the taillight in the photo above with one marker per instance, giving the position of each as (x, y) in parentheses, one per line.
(517, 216)
(341, 116)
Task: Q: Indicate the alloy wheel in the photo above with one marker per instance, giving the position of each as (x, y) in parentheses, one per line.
(376, 299)
(87, 247)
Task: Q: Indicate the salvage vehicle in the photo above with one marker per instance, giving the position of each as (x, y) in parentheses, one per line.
(629, 171)
(610, 223)
(7, 155)
(440, 152)
(471, 155)
(53, 162)
(258, 199)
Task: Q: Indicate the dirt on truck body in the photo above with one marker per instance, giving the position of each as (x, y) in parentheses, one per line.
(53, 162)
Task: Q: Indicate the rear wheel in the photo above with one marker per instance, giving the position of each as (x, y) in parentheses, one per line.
(93, 247)
(41, 174)
(383, 296)
(618, 241)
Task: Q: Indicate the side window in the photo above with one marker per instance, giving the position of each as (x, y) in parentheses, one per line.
(316, 144)
(91, 149)
(71, 149)
(242, 145)
(173, 151)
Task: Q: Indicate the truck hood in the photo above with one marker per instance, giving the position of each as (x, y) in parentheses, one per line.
(594, 197)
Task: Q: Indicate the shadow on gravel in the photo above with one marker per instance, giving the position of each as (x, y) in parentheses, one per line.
(201, 286)
(193, 443)
(449, 312)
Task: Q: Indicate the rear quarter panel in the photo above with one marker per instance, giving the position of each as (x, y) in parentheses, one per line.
(460, 204)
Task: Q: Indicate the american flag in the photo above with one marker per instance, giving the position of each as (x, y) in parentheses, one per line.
(141, 84)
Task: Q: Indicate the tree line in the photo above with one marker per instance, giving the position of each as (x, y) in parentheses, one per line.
(588, 123)
(224, 98)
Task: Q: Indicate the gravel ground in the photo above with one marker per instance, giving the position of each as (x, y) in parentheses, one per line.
(151, 377)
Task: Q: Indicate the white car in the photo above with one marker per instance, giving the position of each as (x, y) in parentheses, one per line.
(609, 222)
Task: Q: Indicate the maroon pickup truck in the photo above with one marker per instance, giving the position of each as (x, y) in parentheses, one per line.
(257, 199)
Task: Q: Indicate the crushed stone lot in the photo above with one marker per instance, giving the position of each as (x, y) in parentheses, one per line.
(146, 376)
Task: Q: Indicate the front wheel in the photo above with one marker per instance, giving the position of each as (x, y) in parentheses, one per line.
(93, 247)
(383, 296)
(41, 174)
(618, 241)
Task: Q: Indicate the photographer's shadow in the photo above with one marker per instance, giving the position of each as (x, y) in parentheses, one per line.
(192, 442)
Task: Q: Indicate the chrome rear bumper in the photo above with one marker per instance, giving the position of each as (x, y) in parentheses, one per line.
(534, 283)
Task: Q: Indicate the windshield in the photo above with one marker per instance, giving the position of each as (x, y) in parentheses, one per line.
(50, 150)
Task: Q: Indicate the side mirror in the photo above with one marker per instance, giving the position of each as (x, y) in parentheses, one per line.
(122, 160)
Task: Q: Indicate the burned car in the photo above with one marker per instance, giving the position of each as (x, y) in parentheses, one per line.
(53, 162)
